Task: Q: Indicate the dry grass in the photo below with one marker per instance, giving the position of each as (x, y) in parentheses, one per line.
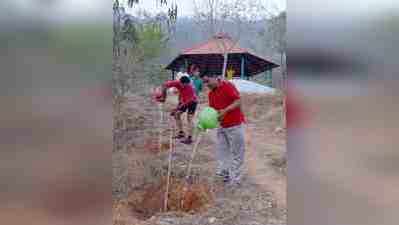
(264, 109)
(183, 197)
(142, 200)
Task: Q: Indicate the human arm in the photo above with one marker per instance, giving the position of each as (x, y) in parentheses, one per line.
(232, 106)
(165, 86)
(233, 94)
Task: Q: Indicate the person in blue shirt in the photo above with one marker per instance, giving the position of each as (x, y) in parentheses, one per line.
(197, 82)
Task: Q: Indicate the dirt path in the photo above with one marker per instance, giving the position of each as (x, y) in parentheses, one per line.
(262, 147)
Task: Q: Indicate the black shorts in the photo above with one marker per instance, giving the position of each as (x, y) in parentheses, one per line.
(190, 108)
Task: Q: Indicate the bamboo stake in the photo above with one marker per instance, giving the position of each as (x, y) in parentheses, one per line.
(169, 169)
(160, 139)
(189, 169)
(160, 107)
(193, 155)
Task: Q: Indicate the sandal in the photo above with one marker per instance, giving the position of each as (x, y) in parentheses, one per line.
(187, 141)
(179, 135)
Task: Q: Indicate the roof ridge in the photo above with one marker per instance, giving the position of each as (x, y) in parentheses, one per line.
(197, 45)
(217, 38)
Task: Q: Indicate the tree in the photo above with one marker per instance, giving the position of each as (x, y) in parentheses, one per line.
(123, 24)
(276, 39)
(150, 45)
(125, 33)
(213, 16)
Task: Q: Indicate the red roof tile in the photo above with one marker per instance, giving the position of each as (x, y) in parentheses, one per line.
(209, 57)
(218, 44)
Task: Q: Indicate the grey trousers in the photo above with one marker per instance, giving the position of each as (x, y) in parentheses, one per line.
(230, 151)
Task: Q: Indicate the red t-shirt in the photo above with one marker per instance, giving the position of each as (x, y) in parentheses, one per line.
(223, 96)
(186, 92)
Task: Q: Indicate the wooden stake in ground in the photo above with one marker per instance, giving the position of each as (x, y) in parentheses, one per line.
(193, 155)
(169, 169)
(160, 107)
(189, 168)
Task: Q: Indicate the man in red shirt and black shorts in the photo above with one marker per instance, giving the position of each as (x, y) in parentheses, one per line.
(187, 103)
(230, 151)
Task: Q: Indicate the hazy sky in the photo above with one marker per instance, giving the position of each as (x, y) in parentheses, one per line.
(102, 9)
(185, 7)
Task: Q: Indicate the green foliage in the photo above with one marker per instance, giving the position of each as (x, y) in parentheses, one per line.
(129, 33)
(150, 44)
(150, 41)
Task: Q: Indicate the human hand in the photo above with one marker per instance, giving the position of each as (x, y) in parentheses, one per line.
(199, 128)
(221, 113)
(160, 99)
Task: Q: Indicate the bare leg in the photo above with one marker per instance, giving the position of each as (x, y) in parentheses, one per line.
(190, 125)
(190, 128)
(179, 123)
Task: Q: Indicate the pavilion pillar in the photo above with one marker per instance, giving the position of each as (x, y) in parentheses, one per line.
(186, 64)
(242, 74)
(270, 75)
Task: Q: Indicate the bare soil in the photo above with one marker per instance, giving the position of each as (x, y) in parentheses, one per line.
(141, 165)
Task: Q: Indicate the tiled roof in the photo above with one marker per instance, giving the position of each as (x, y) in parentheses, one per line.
(208, 57)
(218, 44)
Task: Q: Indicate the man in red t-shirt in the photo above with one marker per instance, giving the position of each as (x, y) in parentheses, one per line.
(230, 150)
(187, 103)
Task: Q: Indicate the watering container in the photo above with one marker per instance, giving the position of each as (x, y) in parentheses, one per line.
(208, 118)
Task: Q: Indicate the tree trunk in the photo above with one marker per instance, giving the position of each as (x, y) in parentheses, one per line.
(283, 71)
(284, 88)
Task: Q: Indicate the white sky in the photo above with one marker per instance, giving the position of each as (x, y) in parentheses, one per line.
(185, 7)
(102, 9)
